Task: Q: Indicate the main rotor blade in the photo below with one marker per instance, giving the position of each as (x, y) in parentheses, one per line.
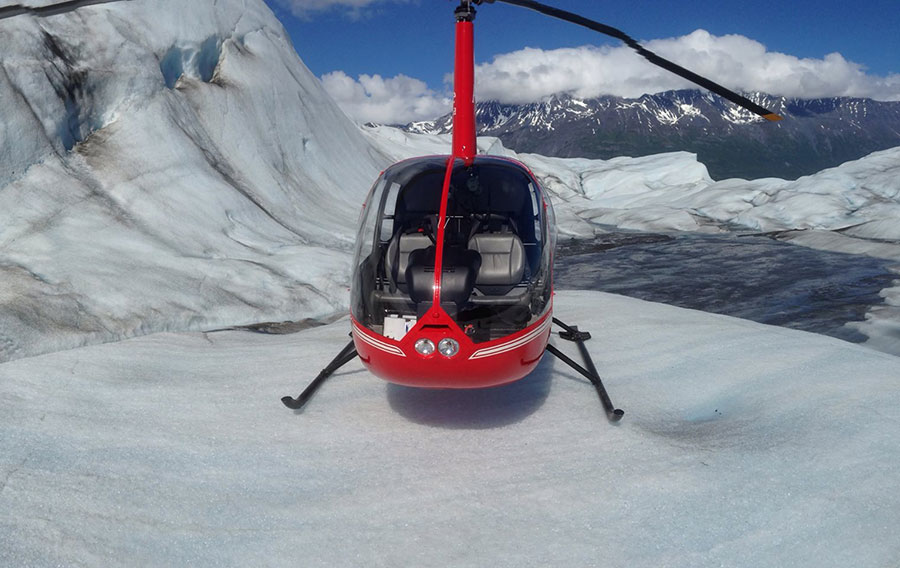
(646, 53)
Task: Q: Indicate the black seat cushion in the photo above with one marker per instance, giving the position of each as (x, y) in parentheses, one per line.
(460, 266)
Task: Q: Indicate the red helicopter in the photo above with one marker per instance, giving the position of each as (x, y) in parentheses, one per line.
(452, 283)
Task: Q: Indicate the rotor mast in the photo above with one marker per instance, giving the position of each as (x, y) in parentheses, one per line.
(464, 145)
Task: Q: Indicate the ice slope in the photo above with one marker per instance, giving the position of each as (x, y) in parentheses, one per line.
(743, 445)
(167, 165)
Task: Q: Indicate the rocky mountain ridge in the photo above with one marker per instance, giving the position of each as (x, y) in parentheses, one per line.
(815, 134)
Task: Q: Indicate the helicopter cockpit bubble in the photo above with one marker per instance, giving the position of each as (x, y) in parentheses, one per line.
(493, 236)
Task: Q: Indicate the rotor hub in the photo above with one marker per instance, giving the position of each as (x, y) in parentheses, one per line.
(465, 12)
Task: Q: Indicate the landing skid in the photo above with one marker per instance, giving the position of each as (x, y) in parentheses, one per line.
(347, 354)
(571, 333)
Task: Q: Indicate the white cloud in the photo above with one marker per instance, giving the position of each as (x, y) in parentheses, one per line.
(734, 61)
(531, 74)
(354, 8)
(397, 100)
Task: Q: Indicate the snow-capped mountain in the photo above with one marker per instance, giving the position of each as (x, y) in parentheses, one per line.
(816, 134)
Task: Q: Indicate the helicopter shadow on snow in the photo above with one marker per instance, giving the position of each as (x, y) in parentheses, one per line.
(473, 409)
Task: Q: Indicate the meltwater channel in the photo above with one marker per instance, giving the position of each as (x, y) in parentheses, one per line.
(751, 277)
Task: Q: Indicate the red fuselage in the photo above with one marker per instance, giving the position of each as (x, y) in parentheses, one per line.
(490, 364)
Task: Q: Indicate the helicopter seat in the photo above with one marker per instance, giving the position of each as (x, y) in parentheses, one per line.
(396, 258)
(502, 262)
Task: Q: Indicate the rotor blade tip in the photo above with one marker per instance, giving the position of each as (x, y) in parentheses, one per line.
(772, 117)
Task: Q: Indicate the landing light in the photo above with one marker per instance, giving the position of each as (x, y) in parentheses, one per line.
(424, 346)
(448, 347)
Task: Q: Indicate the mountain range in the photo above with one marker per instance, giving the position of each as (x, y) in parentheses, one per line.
(815, 133)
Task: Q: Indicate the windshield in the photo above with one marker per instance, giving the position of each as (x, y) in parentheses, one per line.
(493, 237)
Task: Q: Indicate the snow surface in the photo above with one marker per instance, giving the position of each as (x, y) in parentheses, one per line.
(742, 445)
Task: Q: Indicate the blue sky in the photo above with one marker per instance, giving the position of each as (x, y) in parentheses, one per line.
(372, 51)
